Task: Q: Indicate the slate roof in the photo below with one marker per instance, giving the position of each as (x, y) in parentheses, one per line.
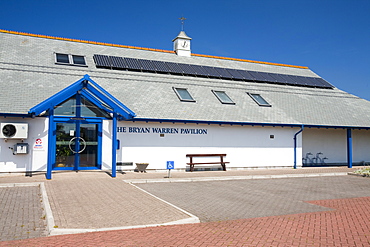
(29, 75)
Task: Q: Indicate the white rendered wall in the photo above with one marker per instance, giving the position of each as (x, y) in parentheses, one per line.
(36, 159)
(333, 144)
(245, 146)
(361, 145)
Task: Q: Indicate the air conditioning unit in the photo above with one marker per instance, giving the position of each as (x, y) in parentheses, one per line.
(14, 130)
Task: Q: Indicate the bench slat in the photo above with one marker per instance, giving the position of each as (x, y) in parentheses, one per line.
(204, 155)
(196, 163)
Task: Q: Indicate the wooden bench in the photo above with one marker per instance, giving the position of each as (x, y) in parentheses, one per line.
(191, 163)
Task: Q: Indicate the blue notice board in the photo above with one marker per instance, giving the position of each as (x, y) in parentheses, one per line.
(170, 165)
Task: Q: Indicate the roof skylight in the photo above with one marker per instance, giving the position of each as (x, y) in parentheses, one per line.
(223, 97)
(183, 94)
(259, 99)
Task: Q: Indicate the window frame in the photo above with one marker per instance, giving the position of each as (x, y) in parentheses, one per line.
(215, 92)
(70, 59)
(78, 56)
(252, 95)
(179, 96)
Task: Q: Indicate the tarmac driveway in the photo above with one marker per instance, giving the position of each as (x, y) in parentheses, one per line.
(241, 199)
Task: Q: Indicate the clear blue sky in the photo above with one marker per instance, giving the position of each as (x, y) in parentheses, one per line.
(332, 37)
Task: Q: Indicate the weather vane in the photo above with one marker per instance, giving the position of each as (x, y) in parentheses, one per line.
(182, 23)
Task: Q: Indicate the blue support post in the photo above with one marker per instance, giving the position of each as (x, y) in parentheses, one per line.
(349, 148)
(114, 145)
(295, 146)
(51, 144)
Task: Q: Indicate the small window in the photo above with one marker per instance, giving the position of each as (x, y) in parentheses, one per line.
(62, 58)
(78, 60)
(258, 99)
(70, 59)
(183, 94)
(223, 97)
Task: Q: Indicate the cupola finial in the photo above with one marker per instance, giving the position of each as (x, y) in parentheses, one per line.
(182, 22)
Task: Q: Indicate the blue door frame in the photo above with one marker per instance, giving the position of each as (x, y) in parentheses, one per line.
(77, 122)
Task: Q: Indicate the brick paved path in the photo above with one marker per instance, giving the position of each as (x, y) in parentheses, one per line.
(347, 225)
(79, 202)
(91, 200)
(21, 214)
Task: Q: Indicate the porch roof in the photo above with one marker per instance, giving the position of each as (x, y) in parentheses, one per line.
(92, 91)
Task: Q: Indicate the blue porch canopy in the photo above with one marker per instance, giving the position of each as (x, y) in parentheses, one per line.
(92, 91)
(95, 94)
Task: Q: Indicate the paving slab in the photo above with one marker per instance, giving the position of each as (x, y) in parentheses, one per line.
(21, 212)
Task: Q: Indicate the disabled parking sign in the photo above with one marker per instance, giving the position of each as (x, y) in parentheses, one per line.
(170, 165)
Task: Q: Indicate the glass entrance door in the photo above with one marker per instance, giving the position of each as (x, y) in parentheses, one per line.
(77, 145)
(88, 149)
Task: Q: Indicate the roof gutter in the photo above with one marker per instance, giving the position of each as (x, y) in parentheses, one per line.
(16, 115)
(212, 122)
(298, 125)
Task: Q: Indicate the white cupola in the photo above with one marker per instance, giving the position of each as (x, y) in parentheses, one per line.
(181, 45)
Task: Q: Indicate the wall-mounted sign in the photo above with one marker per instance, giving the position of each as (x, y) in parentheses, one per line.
(148, 130)
(38, 145)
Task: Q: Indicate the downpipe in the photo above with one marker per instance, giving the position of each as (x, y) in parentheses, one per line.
(295, 146)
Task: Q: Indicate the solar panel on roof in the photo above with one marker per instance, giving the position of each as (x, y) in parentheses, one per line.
(118, 62)
(133, 63)
(299, 80)
(314, 82)
(257, 76)
(235, 74)
(288, 79)
(279, 79)
(187, 69)
(247, 76)
(324, 83)
(303, 81)
(268, 76)
(204, 71)
(102, 61)
(161, 66)
(211, 72)
(317, 82)
(113, 62)
(306, 82)
(147, 65)
(223, 73)
(198, 70)
(174, 68)
(311, 81)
